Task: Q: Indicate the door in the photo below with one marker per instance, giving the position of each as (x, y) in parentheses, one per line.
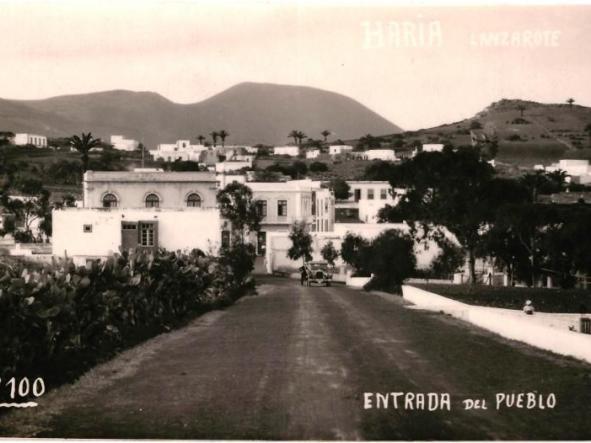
(261, 242)
(129, 236)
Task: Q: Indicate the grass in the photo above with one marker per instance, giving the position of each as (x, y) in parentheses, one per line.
(544, 300)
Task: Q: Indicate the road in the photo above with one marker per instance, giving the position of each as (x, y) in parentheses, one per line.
(294, 363)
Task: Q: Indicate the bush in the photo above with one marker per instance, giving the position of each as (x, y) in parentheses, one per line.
(391, 261)
(318, 167)
(57, 321)
(355, 251)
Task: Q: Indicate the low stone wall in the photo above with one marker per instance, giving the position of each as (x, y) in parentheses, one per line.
(544, 330)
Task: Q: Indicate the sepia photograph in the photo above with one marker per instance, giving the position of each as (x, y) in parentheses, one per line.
(295, 220)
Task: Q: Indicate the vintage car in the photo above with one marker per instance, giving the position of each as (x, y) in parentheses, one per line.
(318, 272)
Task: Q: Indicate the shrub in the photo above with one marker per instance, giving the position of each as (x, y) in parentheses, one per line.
(329, 253)
(355, 251)
(391, 261)
(318, 167)
(57, 321)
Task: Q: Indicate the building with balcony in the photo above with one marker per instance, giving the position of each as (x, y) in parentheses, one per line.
(365, 200)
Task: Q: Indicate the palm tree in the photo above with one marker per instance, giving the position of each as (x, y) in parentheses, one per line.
(521, 108)
(201, 139)
(570, 101)
(294, 134)
(223, 134)
(214, 137)
(300, 136)
(83, 145)
(325, 134)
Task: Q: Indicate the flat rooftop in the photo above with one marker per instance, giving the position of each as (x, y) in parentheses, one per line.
(151, 176)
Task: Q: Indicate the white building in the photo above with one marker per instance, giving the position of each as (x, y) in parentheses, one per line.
(380, 154)
(365, 201)
(87, 234)
(124, 144)
(432, 147)
(578, 169)
(232, 165)
(292, 151)
(283, 203)
(339, 149)
(170, 190)
(182, 150)
(140, 210)
(23, 139)
(312, 153)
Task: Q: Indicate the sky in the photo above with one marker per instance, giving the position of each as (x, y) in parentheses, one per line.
(416, 66)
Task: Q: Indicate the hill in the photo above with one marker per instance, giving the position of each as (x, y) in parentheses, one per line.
(251, 112)
(528, 132)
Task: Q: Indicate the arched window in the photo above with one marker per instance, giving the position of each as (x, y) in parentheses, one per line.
(109, 201)
(152, 201)
(194, 201)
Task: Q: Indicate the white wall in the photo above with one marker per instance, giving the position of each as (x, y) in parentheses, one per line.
(543, 331)
(292, 151)
(177, 229)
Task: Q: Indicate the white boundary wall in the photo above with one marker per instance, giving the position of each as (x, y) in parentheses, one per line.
(542, 330)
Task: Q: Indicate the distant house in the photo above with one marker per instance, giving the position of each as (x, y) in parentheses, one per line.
(232, 165)
(339, 149)
(292, 151)
(579, 170)
(313, 153)
(124, 144)
(432, 147)
(380, 154)
(182, 150)
(23, 139)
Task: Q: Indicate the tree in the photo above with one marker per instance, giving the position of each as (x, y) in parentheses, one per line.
(237, 205)
(300, 137)
(325, 134)
(449, 260)
(570, 101)
(83, 144)
(223, 134)
(298, 169)
(455, 190)
(329, 253)
(201, 139)
(214, 137)
(295, 135)
(301, 242)
(368, 142)
(355, 251)
(318, 167)
(391, 260)
(340, 188)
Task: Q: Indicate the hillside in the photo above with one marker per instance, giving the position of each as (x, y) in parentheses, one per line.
(543, 134)
(250, 112)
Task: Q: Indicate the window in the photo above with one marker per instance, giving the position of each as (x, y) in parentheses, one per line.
(147, 237)
(194, 201)
(261, 206)
(152, 201)
(383, 194)
(370, 194)
(282, 208)
(357, 193)
(225, 239)
(109, 201)
(87, 228)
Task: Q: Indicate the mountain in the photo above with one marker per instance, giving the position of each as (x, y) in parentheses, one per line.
(250, 112)
(528, 132)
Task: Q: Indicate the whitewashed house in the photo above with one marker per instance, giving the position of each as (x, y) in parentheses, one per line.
(313, 153)
(292, 151)
(339, 149)
(23, 139)
(232, 165)
(432, 147)
(283, 203)
(380, 154)
(182, 150)
(140, 210)
(365, 200)
(121, 143)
